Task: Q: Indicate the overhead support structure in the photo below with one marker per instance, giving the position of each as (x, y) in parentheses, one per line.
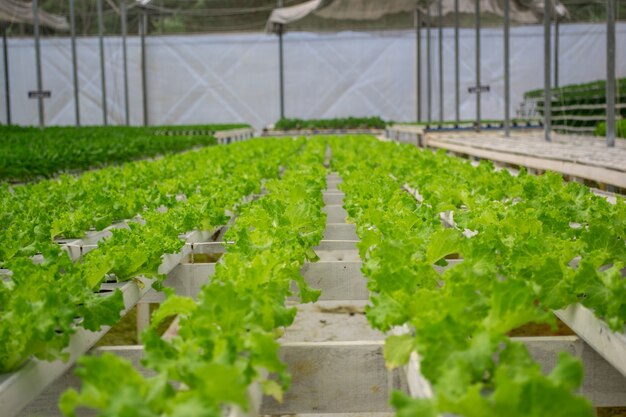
(143, 18)
(429, 76)
(123, 22)
(478, 117)
(521, 11)
(36, 28)
(610, 73)
(20, 12)
(7, 87)
(440, 41)
(103, 79)
(547, 73)
(418, 64)
(507, 71)
(457, 70)
(74, 62)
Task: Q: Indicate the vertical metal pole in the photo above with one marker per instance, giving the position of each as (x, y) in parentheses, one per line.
(38, 62)
(457, 71)
(125, 61)
(103, 80)
(610, 73)
(161, 17)
(478, 122)
(144, 81)
(556, 51)
(440, 33)
(74, 62)
(281, 75)
(547, 74)
(7, 87)
(507, 71)
(418, 41)
(429, 77)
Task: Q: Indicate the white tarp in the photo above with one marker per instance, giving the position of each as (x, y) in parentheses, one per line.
(234, 78)
(285, 15)
(521, 11)
(14, 11)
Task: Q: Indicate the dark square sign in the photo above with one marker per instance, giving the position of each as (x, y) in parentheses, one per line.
(39, 94)
(482, 89)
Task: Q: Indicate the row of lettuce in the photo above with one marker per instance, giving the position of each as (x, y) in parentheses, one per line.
(582, 105)
(524, 246)
(527, 245)
(581, 91)
(29, 153)
(339, 123)
(42, 292)
(226, 338)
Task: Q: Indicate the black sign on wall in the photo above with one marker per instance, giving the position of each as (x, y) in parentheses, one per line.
(482, 88)
(39, 94)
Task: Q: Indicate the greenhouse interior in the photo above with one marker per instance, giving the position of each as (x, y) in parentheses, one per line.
(438, 231)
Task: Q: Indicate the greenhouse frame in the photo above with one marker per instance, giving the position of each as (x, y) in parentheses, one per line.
(327, 208)
(423, 16)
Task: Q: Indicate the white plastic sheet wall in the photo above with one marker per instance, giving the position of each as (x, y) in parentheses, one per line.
(234, 78)
(57, 78)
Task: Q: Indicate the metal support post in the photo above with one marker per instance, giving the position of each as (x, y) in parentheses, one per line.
(7, 87)
(478, 121)
(610, 73)
(457, 71)
(74, 62)
(144, 81)
(418, 64)
(440, 40)
(281, 74)
(103, 80)
(547, 74)
(42, 120)
(429, 77)
(125, 60)
(556, 50)
(507, 71)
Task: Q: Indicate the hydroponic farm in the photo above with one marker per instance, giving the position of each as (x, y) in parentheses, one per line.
(317, 208)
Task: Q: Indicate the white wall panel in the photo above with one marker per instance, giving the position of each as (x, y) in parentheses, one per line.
(234, 78)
